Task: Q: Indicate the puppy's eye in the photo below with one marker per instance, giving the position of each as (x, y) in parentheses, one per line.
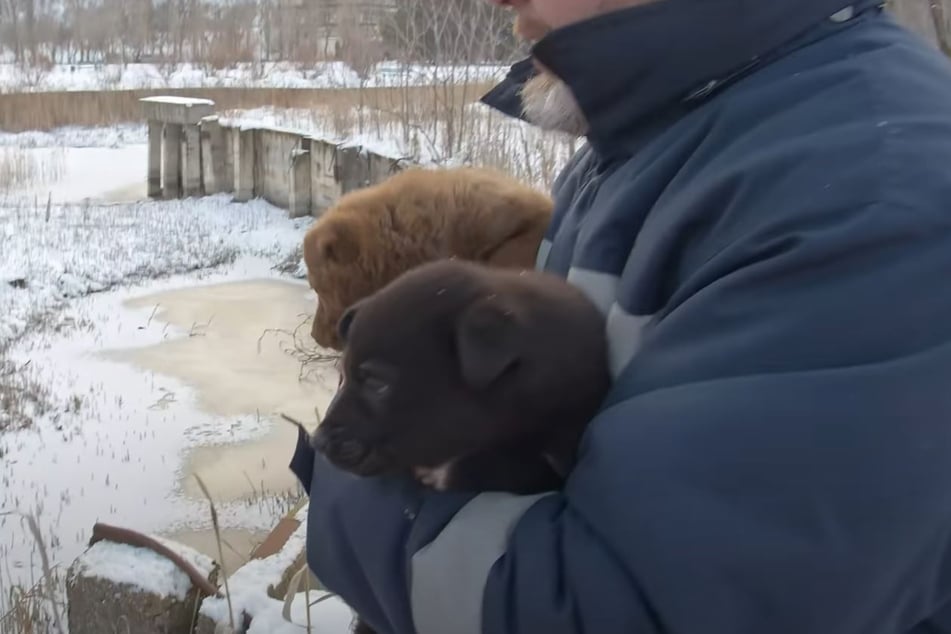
(371, 382)
(376, 385)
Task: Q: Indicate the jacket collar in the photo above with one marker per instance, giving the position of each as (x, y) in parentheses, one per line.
(630, 67)
(506, 96)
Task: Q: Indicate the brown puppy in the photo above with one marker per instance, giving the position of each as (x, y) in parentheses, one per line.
(374, 234)
(468, 377)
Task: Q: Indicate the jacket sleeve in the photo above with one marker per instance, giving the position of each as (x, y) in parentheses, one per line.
(753, 470)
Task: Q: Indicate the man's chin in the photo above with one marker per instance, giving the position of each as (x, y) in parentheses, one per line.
(529, 30)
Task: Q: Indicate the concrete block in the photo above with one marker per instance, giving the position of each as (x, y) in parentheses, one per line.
(381, 167)
(115, 587)
(172, 167)
(180, 110)
(299, 198)
(352, 169)
(213, 153)
(192, 161)
(227, 151)
(274, 153)
(243, 165)
(324, 188)
(155, 159)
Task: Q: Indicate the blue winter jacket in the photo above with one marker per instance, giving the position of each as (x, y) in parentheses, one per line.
(763, 212)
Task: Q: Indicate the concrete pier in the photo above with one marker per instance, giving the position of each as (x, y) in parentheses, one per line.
(324, 188)
(175, 168)
(195, 152)
(243, 165)
(299, 199)
(172, 161)
(213, 166)
(155, 160)
(191, 158)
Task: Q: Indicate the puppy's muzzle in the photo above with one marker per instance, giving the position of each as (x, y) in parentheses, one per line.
(346, 452)
(338, 448)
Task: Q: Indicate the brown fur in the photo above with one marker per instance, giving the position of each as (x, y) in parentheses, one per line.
(374, 234)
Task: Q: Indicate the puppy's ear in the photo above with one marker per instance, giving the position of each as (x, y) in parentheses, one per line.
(336, 241)
(487, 341)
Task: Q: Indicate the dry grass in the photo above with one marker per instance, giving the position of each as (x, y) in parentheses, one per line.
(436, 122)
(27, 614)
(48, 110)
(39, 608)
(439, 131)
(297, 343)
(22, 396)
(19, 168)
(221, 554)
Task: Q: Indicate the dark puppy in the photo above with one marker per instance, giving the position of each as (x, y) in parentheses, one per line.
(467, 377)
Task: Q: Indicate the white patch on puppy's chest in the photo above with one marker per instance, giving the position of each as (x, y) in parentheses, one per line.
(436, 478)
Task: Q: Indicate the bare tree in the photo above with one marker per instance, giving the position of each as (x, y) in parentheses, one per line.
(360, 49)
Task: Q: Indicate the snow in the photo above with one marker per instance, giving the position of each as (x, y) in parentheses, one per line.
(86, 248)
(74, 77)
(329, 616)
(317, 124)
(248, 593)
(78, 137)
(141, 568)
(149, 572)
(180, 101)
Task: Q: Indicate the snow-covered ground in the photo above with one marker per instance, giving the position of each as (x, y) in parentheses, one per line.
(80, 248)
(66, 77)
(147, 571)
(328, 614)
(145, 400)
(81, 242)
(79, 137)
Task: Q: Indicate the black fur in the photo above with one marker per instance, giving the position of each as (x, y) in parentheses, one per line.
(485, 375)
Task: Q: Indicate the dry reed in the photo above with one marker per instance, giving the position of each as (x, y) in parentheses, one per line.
(48, 110)
(19, 168)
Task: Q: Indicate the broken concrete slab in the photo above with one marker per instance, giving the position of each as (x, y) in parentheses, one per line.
(118, 587)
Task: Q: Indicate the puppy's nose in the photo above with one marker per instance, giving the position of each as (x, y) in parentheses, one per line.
(340, 449)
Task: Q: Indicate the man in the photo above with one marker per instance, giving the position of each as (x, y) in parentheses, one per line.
(763, 211)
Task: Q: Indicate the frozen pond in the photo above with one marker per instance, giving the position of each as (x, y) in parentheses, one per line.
(76, 174)
(170, 379)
